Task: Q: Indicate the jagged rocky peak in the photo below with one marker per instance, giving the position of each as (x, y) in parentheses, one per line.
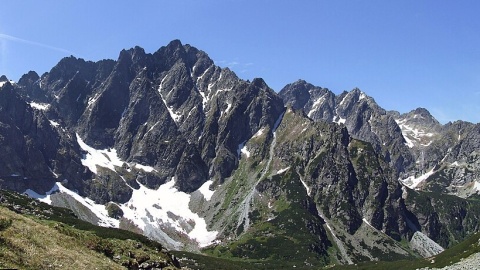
(168, 55)
(418, 127)
(316, 102)
(362, 116)
(28, 79)
(4, 80)
(419, 117)
(296, 94)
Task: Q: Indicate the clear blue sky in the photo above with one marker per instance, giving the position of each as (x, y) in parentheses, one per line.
(405, 54)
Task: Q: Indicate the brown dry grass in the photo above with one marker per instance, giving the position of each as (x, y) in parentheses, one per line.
(27, 244)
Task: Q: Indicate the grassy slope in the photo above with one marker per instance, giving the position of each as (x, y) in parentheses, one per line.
(28, 244)
(36, 236)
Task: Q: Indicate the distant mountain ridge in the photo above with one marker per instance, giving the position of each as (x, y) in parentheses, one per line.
(234, 166)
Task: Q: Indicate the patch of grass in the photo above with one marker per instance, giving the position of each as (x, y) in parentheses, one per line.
(5, 223)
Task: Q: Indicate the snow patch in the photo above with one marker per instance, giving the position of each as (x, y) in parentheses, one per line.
(283, 170)
(339, 120)
(476, 186)
(167, 206)
(204, 98)
(43, 198)
(412, 181)
(39, 106)
(315, 105)
(410, 134)
(145, 168)
(259, 133)
(229, 106)
(99, 210)
(344, 98)
(151, 128)
(242, 148)
(368, 223)
(408, 142)
(92, 101)
(54, 124)
(3, 83)
(404, 192)
(245, 151)
(306, 187)
(175, 116)
(106, 158)
(205, 190)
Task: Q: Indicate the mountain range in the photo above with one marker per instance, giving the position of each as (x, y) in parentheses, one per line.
(170, 145)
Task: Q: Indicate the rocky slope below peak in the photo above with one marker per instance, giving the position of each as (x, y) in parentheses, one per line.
(362, 116)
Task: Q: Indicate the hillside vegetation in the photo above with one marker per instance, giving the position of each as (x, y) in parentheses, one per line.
(36, 236)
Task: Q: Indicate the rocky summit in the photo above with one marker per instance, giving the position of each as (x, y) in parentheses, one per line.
(170, 145)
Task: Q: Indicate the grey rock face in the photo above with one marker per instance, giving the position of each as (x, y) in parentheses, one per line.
(34, 152)
(413, 143)
(446, 155)
(364, 119)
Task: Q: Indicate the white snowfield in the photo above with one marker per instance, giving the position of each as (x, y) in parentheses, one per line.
(98, 209)
(165, 207)
(106, 158)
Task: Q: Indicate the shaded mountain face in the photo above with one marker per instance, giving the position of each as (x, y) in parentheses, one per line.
(34, 153)
(170, 145)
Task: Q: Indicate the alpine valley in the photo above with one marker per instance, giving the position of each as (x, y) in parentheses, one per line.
(173, 147)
